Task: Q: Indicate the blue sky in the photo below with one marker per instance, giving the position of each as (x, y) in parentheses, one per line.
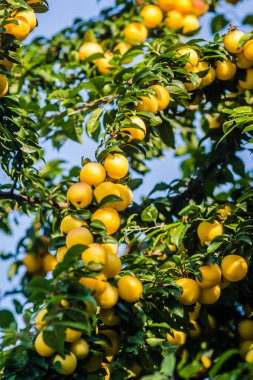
(61, 14)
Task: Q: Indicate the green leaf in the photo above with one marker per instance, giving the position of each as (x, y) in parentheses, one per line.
(89, 36)
(39, 284)
(134, 183)
(249, 128)
(97, 225)
(177, 308)
(178, 233)
(155, 120)
(244, 238)
(93, 122)
(167, 134)
(109, 199)
(81, 214)
(150, 214)
(247, 195)
(162, 325)
(95, 84)
(243, 109)
(71, 256)
(59, 95)
(244, 39)
(12, 270)
(214, 246)
(71, 128)
(18, 307)
(54, 336)
(6, 319)
(168, 364)
(248, 20)
(221, 361)
(218, 23)
(57, 242)
(26, 148)
(238, 166)
(52, 168)
(154, 342)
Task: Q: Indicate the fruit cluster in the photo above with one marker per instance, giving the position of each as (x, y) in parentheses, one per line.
(223, 70)
(245, 331)
(157, 98)
(181, 15)
(96, 188)
(238, 55)
(205, 289)
(39, 261)
(242, 50)
(240, 62)
(18, 26)
(95, 191)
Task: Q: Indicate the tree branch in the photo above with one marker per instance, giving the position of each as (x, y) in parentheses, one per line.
(85, 106)
(31, 200)
(195, 188)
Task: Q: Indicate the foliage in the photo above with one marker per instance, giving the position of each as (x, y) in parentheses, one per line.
(54, 96)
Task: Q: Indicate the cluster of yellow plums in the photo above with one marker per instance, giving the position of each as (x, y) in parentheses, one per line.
(243, 57)
(177, 15)
(179, 337)
(225, 69)
(158, 97)
(245, 332)
(181, 14)
(214, 278)
(97, 181)
(19, 26)
(77, 345)
(39, 262)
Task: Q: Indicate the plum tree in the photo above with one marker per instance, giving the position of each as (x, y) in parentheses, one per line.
(113, 287)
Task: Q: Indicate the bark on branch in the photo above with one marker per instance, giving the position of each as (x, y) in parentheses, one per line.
(31, 200)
